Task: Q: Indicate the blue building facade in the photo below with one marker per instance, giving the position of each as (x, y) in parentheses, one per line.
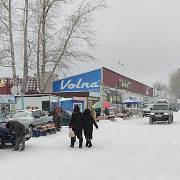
(89, 81)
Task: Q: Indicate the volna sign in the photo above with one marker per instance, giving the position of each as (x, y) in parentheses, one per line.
(79, 85)
(84, 82)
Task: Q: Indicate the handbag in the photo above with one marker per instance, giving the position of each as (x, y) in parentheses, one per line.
(71, 133)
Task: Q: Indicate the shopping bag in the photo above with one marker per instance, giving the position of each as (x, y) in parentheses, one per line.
(71, 133)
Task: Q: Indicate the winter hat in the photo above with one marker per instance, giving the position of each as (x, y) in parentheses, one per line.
(8, 125)
(87, 112)
(76, 109)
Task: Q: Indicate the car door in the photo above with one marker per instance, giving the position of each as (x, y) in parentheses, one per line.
(37, 118)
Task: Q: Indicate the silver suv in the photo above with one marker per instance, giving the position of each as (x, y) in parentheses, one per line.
(161, 112)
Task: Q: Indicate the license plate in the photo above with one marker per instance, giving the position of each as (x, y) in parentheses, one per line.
(158, 115)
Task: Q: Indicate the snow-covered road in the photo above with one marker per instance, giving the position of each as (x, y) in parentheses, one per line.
(122, 150)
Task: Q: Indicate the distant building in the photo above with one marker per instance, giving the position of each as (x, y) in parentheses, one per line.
(6, 83)
(5, 88)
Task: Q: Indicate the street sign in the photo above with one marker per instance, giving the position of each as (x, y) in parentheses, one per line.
(7, 99)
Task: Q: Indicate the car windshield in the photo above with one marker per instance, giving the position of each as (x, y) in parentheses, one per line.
(158, 107)
(148, 106)
(1, 120)
(69, 112)
(21, 114)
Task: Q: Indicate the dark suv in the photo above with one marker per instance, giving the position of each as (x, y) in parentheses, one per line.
(161, 112)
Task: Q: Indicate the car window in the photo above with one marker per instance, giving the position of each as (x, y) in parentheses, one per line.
(37, 114)
(21, 114)
(160, 107)
(42, 113)
(69, 112)
(148, 106)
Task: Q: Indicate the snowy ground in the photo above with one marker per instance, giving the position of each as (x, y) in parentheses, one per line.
(122, 150)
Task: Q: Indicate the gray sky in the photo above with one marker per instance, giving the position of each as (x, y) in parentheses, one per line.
(144, 35)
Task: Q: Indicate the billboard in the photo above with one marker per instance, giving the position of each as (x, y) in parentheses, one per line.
(89, 81)
(7, 99)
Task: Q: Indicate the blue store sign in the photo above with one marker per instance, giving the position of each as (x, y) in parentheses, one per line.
(89, 81)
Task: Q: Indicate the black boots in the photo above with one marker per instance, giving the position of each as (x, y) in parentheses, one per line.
(73, 139)
(15, 149)
(80, 144)
(88, 143)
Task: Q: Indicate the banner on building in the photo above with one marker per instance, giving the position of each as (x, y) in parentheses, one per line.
(7, 99)
(1, 83)
(89, 81)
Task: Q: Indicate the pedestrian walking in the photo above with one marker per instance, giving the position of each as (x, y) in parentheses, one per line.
(18, 130)
(88, 127)
(57, 112)
(76, 124)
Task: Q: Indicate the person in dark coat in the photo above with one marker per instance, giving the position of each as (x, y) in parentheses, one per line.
(57, 112)
(76, 124)
(17, 129)
(88, 126)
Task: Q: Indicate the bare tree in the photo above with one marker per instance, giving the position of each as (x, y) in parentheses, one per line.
(174, 79)
(160, 86)
(8, 51)
(59, 30)
(25, 71)
(60, 45)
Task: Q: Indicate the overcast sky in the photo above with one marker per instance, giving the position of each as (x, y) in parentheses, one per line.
(144, 35)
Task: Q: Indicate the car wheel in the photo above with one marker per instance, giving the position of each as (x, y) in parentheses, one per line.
(169, 120)
(1, 142)
(150, 121)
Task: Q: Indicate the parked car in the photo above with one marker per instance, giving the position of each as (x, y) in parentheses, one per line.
(66, 118)
(161, 112)
(32, 118)
(147, 109)
(5, 136)
(174, 107)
